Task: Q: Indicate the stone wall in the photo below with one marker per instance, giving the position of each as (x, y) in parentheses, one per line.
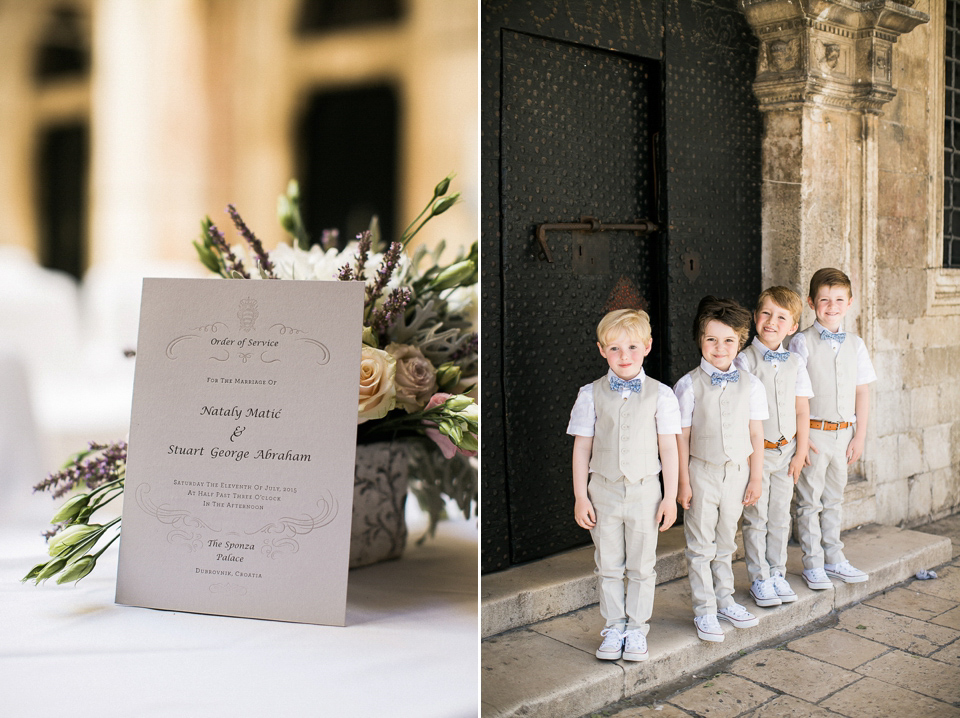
(914, 443)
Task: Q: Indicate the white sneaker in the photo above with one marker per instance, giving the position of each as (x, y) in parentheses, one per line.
(708, 628)
(784, 591)
(738, 616)
(817, 579)
(845, 572)
(764, 594)
(612, 647)
(635, 646)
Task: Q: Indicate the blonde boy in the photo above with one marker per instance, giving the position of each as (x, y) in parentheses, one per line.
(840, 372)
(721, 461)
(625, 425)
(766, 524)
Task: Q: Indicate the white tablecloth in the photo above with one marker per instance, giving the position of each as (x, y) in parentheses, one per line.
(410, 647)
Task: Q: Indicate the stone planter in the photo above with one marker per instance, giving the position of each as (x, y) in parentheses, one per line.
(379, 530)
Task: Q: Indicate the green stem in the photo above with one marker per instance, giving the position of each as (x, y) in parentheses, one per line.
(106, 546)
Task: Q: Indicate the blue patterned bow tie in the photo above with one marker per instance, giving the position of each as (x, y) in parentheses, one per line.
(718, 377)
(827, 334)
(618, 384)
(771, 355)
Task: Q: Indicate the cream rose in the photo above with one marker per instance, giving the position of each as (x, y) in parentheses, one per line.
(378, 392)
(416, 378)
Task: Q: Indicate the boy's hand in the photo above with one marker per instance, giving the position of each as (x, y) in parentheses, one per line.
(796, 466)
(806, 459)
(684, 496)
(584, 513)
(752, 494)
(666, 514)
(855, 448)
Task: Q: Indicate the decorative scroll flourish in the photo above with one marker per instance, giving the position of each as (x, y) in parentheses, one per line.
(284, 329)
(289, 527)
(225, 358)
(184, 523)
(170, 351)
(211, 328)
(324, 352)
(267, 361)
(245, 356)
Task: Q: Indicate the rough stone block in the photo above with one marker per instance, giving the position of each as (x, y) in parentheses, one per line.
(919, 498)
(724, 697)
(795, 674)
(936, 446)
(901, 242)
(891, 497)
(938, 362)
(943, 493)
(912, 602)
(909, 454)
(872, 697)
(924, 406)
(889, 139)
(923, 675)
(839, 648)
(886, 419)
(903, 292)
(525, 673)
(902, 632)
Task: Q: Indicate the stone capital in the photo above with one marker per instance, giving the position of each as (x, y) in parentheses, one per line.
(829, 53)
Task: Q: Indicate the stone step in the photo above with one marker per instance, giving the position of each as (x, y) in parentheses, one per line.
(553, 586)
(549, 668)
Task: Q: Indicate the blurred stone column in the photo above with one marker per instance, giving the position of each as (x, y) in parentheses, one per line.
(824, 73)
(148, 129)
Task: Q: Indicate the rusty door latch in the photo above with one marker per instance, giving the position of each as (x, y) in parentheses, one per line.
(590, 224)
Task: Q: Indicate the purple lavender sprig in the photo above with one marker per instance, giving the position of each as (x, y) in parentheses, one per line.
(255, 244)
(230, 260)
(387, 266)
(102, 463)
(468, 348)
(364, 241)
(383, 317)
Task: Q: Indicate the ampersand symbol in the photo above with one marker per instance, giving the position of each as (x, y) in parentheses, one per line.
(236, 432)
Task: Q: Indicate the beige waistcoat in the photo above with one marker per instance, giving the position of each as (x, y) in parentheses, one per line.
(721, 420)
(833, 377)
(625, 437)
(780, 386)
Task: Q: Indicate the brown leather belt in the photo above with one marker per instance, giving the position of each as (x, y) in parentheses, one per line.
(775, 444)
(829, 425)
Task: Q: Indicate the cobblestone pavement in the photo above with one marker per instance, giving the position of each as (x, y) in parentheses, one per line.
(896, 653)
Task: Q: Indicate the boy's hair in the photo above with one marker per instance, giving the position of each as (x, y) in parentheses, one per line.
(725, 311)
(829, 277)
(635, 322)
(782, 297)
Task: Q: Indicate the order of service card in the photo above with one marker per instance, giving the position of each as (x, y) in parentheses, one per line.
(239, 483)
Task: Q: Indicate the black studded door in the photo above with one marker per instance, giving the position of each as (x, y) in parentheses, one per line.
(577, 140)
(618, 110)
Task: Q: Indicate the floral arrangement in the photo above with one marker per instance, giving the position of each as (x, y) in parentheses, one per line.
(417, 369)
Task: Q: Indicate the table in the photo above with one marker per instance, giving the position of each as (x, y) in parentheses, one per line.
(410, 648)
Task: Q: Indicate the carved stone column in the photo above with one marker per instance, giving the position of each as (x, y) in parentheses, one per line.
(824, 73)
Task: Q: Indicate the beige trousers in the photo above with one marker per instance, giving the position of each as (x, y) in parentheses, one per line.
(625, 538)
(820, 498)
(766, 524)
(710, 528)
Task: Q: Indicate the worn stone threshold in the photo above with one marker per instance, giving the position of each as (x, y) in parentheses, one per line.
(549, 668)
(559, 584)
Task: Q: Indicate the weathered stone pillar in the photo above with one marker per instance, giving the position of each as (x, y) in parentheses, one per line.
(824, 73)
